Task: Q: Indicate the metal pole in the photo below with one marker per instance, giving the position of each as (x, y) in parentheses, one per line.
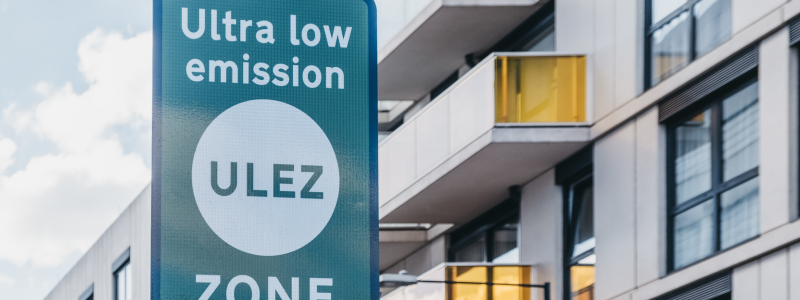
(546, 291)
(545, 286)
(541, 286)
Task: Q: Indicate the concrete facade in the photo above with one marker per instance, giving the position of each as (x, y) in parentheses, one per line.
(94, 270)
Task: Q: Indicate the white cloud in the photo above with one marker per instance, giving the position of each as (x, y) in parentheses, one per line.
(7, 149)
(59, 203)
(7, 280)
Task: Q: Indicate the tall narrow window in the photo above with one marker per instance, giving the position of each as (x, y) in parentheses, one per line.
(580, 239)
(491, 237)
(714, 177)
(497, 244)
(678, 31)
(123, 282)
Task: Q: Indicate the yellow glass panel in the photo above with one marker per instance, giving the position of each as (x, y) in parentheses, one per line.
(468, 291)
(512, 275)
(582, 282)
(540, 89)
(501, 274)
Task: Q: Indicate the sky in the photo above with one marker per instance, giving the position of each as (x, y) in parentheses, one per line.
(75, 113)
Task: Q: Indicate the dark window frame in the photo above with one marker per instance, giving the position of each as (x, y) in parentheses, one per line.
(486, 232)
(484, 226)
(123, 261)
(650, 29)
(578, 179)
(718, 184)
(572, 211)
(125, 264)
(87, 294)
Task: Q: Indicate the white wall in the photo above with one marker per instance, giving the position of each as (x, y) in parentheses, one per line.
(614, 56)
(775, 134)
(575, 23)
(131, 229)
(615, 212)
(604, 56)
(650, 197)
(772, 277)
(747, 12)
(541, 242)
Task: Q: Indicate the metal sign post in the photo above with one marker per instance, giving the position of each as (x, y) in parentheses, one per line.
(264, 150)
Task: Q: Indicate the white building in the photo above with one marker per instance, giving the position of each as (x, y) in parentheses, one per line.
(616, 149)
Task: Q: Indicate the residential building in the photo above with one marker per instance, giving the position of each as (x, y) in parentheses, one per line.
(614, 149)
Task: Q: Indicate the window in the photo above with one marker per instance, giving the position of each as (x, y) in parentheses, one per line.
(580, 240)
(542, 41)
(496, 245)
(713, 177)
(678, 31)
(491, 237)
(88, 294)
(123, 282)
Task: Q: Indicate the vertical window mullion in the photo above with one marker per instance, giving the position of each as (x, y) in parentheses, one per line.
(693, 33)
(671, 155)
(716, 169)
(648, 56)
(489, 251)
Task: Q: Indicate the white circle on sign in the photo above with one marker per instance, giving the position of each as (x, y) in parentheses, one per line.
(270, 144)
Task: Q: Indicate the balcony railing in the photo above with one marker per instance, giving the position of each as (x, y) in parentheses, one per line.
(459, 272)
(540, 89)
(534, 89)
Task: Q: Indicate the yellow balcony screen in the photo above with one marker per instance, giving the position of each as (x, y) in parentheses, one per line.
(540, 89)
(582, 280)
(488, 274)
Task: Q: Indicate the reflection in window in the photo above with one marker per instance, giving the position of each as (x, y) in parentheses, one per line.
(713, 21)
(544, 41)
(739, 217)
(713, 213)
(671, 47)
(693, 157)
(662, 8)
(580, 214)
(474, 252)
(740, 132)
(694, 234)
(487, 274)
(124, 283)
(490, 238)
(582, 279)
(505, 242)
(681, 30)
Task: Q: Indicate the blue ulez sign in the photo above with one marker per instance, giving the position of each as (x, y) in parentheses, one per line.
(264, 150)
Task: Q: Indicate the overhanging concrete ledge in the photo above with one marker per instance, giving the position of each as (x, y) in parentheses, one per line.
(433, 45)
(478, 177)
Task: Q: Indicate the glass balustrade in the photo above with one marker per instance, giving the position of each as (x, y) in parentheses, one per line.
(488, 274)
(540, 89)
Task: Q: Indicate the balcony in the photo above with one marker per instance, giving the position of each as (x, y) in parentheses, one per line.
(464, 272)
(421, 42)
(511, 118)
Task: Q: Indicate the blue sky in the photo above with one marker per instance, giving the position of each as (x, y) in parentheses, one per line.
(74, 131)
